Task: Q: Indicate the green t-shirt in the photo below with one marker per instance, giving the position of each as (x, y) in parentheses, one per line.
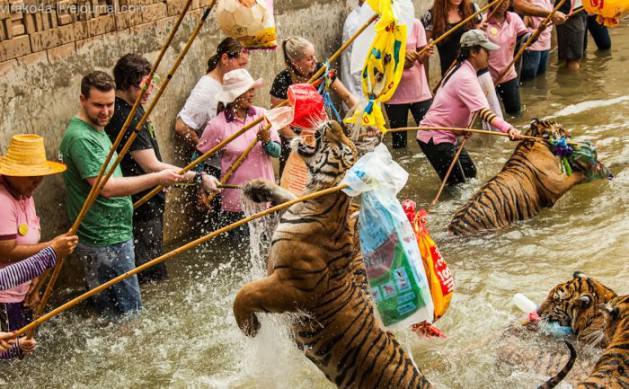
(108, 221)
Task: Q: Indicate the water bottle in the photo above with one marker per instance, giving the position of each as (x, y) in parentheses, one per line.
(524, 303)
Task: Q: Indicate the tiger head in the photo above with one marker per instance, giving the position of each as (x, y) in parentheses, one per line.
(328, 154)
(547, 129)
(575, 304)
(615, 314)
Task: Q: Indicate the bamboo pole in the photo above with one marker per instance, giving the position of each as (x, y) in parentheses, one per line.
(99, 185)
(190, 245)
(218, 147)
(459, 25)
(529, 41)
(451, 167)
(472, 130)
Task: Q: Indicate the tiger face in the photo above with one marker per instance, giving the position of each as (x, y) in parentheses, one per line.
(575, 303)
(328, 154)
(547, 129)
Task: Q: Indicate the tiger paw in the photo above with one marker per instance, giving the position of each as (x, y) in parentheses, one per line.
(250, 325)
(259, 191)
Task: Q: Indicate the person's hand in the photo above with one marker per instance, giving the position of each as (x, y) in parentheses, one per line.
(467, 134)
(264, 134)
(189, 176)
(169, 177)
(411, 57)
(64, 245)
(7, 339)
(33, 297)
(558, 18)
(27, 345)
(210, 183)
(483, 25)
(425, 52)
(514, 134)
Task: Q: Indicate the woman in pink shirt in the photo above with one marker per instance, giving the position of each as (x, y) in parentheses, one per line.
(412, 93)
(22, 169)
(535, 58)
(456, 102)
(504, 28)
(235, 111)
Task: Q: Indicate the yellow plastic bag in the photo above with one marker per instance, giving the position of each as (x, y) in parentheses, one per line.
(384, 65)
(440, 278)
(608, 11)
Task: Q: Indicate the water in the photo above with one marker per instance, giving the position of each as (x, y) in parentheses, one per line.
(187, 336)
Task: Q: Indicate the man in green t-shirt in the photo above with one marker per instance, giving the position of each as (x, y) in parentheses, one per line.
(106, 247)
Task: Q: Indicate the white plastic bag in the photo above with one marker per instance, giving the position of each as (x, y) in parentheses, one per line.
(394, 265)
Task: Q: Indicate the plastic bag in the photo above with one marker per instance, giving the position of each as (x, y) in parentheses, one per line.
(307, 104)
(249, 21)
(396, 275)
(440, 278)
(608, 11)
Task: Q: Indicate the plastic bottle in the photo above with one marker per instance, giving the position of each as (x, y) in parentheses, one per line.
(555, 329)
(524, 303)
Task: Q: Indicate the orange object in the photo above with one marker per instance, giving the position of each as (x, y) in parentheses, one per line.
(608, 11)
(440, 278)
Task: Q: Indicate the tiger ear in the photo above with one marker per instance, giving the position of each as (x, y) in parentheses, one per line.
(584, 301)
(613, 312)
(578, 274)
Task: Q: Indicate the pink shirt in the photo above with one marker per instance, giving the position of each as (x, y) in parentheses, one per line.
(16, 212)
(504, 35)
(413, 87)
(543, 42)
(453, 105)
(257, 165)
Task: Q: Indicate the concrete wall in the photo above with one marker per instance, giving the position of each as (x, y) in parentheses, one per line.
(39, 89)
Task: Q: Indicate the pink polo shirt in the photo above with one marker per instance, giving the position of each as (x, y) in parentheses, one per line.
(413, 87)
(257, 165)
(16, 212)
(543, 42)
(504, 35)
(453, 105)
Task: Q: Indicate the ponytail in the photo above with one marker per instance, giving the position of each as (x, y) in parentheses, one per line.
(229, 46)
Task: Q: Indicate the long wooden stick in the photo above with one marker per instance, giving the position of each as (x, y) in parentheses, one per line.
(101, 184)
(472, 130)
(190, 245)
(532, 38)
(100, 178)
(218, 147)
(459, 25)
(451, 167)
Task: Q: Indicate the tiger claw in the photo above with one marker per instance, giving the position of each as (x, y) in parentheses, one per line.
(250, 326)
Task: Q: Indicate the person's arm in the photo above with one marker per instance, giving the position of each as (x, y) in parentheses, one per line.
(187, 133)
(486, 115)
(340, 89)
(25, 270)
(276, 101)
(11, 251)
(526, 8)
(149, 163)
(127, 186)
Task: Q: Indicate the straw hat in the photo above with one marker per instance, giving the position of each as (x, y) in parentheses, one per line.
(235, 83)
(26, 157)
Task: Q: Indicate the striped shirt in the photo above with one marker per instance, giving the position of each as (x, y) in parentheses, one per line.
(21, 272)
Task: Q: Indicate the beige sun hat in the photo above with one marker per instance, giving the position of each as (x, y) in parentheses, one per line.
(235, 83)
(26, 157)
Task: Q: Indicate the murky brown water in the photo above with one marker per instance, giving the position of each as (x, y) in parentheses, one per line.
(187, 337)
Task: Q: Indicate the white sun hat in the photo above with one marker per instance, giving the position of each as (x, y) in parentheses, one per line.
(236, 83)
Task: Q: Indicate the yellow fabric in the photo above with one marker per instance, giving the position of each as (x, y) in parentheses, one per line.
(383, 67)
(608, 11)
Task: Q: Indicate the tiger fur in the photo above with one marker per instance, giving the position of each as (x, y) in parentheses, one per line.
(315, 268)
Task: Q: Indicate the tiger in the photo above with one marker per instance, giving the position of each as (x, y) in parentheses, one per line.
(573, 303)
(611, 370)
(531, 179)
(315, 268)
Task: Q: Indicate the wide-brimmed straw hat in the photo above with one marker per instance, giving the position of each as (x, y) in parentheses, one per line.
(235, 83)
(26, 157)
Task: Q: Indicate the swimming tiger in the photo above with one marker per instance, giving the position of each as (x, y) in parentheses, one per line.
(531, 179)
(315, 268)
(612, 368)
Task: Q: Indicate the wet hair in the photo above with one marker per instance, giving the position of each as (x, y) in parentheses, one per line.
(440, 15)
(96, 79)
(464, 53)
(129, 71)
(293, 49)
(229, 46)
